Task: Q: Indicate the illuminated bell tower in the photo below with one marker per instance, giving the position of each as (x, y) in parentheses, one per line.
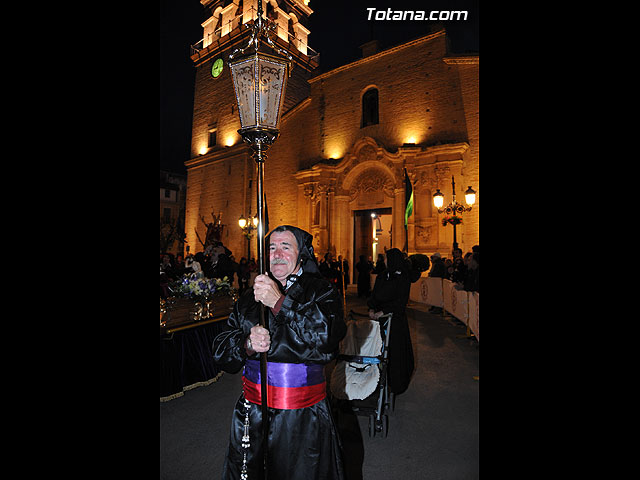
(289, 15)
(220, 167)
(224, 30)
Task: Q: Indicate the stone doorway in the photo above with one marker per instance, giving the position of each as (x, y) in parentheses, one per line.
(372, 234)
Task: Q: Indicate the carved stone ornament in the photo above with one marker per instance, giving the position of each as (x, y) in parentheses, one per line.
(309, 191)
(372, 181)
(442, 173)
(423, 234)
(367, 154)
(325, 188)
(427, 179)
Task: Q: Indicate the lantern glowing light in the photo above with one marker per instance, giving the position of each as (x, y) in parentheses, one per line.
(438, 199)
(259, 105)
(470, 196)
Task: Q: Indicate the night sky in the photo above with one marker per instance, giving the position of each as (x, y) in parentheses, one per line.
(338, 28)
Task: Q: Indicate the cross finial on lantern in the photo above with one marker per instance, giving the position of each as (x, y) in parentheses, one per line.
(262, 28)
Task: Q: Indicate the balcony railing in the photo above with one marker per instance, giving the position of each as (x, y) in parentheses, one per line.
(216, 36)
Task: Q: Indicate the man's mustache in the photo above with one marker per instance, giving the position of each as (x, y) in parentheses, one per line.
(279, 261)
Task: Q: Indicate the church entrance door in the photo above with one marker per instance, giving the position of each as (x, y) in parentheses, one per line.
(372, 234)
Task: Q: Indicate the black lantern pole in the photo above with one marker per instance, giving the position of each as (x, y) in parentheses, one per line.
(259, 81)
(248, 225)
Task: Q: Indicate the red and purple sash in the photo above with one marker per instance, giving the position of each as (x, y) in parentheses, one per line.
(289, 385)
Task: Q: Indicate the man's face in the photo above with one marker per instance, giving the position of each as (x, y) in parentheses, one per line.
(283, 253)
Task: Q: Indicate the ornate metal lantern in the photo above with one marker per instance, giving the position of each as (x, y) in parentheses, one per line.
(260, 80)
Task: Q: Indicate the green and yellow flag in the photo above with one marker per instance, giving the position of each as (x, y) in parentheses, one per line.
(408, 198)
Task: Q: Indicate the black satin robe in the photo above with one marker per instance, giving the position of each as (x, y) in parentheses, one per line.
(303, 444)
(391, 294)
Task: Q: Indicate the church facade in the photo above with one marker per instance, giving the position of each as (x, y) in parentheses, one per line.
(346, 138)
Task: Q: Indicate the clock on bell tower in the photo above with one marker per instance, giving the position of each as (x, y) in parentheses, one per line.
(216, 67)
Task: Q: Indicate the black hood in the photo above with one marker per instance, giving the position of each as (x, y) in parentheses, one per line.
(395, 260)
(306, 257)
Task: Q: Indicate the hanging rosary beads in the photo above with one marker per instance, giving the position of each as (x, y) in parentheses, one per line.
(245, 441)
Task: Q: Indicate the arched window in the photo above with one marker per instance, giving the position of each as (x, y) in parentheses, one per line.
(370, 108)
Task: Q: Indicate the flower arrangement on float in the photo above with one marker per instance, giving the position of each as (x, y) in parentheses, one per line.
(452, 219)
(198, 292)
(196, 286)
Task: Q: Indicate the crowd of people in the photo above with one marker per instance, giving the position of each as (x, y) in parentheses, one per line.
(464, 271)
(218, 262)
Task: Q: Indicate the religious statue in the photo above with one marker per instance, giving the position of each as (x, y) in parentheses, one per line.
(214, 230)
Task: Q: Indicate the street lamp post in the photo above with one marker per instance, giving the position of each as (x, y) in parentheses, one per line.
(248, 225)
(259, 81)
(454, 208)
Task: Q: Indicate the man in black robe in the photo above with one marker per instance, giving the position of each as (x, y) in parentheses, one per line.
(390, 295)
(305, 325)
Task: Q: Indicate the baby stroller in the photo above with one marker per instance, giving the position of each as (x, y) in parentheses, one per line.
(360, 374)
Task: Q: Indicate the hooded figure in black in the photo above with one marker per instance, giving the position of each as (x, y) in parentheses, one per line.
(391, 294)
(305, 325)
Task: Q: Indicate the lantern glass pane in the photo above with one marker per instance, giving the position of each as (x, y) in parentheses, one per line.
(470, 198)
(244, 83)
(271, 95)
(438, 200)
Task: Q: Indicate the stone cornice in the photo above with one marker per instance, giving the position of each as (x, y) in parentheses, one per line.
(446, 148)
(462, 60)
(304, 103)
(378, 55)
(418, 156)
(304, 8)
(217, 156)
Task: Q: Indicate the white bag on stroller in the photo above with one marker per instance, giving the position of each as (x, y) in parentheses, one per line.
(350, 380)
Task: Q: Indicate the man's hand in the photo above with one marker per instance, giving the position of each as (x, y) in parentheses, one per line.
(265, 290)
(259, 340)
